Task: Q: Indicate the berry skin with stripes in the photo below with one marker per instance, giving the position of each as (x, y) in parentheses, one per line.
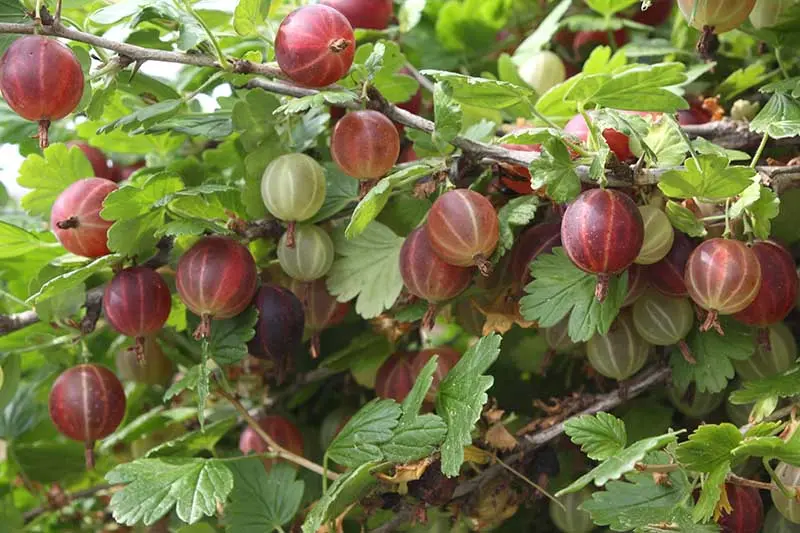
(365, 144)
(788, 507)
(664, 320)
(666, 276)
(602, 233)
(41, 80)
(778, 291)
(137, 303)
(279, 329)
(723, 276)
(720, 15)
(216, 279)
(87, 403)
(368, 14)
(75, 218)
(538, 239)
(283, 432)
(315, 45)
(311, 256)
(96, 158)
(658, 235)
(621, 352)
(765, 363)
(747, 510)
(464, 229)
(293, 187)
(395, 377)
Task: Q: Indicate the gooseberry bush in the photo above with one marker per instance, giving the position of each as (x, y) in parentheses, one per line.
(375, 265)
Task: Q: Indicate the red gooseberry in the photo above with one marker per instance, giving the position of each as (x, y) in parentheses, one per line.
(618, 142)
(696, 114)
(666, 276)
(719, 15)
(279, 329)
(365, 144)
(447, 359)
(602, 233)
(538, 239)
(427, 276)
(216, 278)
(367, 14)
(121, 173)
(746, 513)
(395, 377)
(75, 217)
(137, 302)
(723, 276)
(315, 45)
(588, 40)
(778, 291)
(519, 186)
(655, 15)
(96, 158)
(87, 403)
(41, 80)
(464, 229)
(284, 433)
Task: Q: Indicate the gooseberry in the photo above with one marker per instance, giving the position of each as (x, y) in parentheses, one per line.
(618, 142)
(764, 363)
(322, 310)
(538, 239)
(395, 377)
(464, 229)
(637, 284)
(365, 144)
(656, 15)
(569, 517)
(284, 433)
(621, 352)
(315, 46)
(768, 13)
(279, 329)
(667, 275)
(747, 510)
(778, 290)
(137, 303)
(693, 403)
(155, 368)
(41, 80)
(557, 337)
(602, 233)
(542, 71)
(427, 276)
(121, 173)
(367, 14)
(293, 189)
(788, 507)
(216, 278)
(519, 186)
(447, 359)
(96, 158)
(658, 235)
(723, 276)
(719, 15)
(696, 114)
(776, 523)
(87, 403)
(664, 320)
(311, 256)
(588, 40)
(75, 217)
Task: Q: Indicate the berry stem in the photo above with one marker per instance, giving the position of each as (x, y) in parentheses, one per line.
(712, 321)
(43, 135)
(88, 454)
(69, 223)
(429, 319)
(484, 265)
(315, 346)
(763, 339)
(290, 229)
(686, 352)
(204, 329)
(138, 349)
(601, 289)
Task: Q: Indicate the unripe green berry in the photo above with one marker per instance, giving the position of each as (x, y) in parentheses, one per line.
(293, 187)
(658, 235)
(765, 363)
(311, 256)
(571, 519)
(621, 352)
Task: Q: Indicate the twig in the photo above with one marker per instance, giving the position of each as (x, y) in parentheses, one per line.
(424, 82)
(86, 493)
(274, 446)
(94, 307)
(16, 321)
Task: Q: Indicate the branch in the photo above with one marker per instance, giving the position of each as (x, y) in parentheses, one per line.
(86, 493)
(16, 321)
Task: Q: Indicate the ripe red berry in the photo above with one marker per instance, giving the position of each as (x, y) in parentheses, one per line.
(602, 233)
(121, 173)
(216, 278)
(719, 15)
(365, 144)
(155, 369)
(696, 114)
(585, 41)
(75, 217)
(447, 359)
(427, 276)
(747, 510)
(778, 286)
(137, 302)
(523, 185)
(315, 46)
(464, 229)
(618, 142)
(41, 80)
(367, 14)
(87, 403)
(284, 433)
(279, 330)
(666, 276)
(96, 158)
(656, 15)
(322, 310)
(395, 377)
(538, 239)
(722, 276)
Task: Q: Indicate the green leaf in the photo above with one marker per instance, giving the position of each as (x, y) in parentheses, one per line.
(481, 92)
(358, 348)
(460, 399)
(741, 80)
(643, 88)
(341, 190)
(154, 486)
(367, 268)
(322, 98)
(517, 212)
(554, 169)
(262, 501)
(782, 385)
(359, 440)
(708, 177)
(194, 442)
(762, 211)
(188, 382)
(786, 226)
(348, 488)
(49, 175)
(227, 343)
(709, 447)
(136, 237)
(771, 448)
(621, 463)
(143, 117)
(560, 288)
(11, 371)
(65, 282)
(249, 15)
(609, 7)
(711, 493)
(685, 220)
(600, 436)
(543, 33)
(17, 241)
(410, 14)
(132, 200)
(779, 118)
(666, 143)
(448, 113)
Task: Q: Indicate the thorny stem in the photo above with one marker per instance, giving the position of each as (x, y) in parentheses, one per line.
(211, 37)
